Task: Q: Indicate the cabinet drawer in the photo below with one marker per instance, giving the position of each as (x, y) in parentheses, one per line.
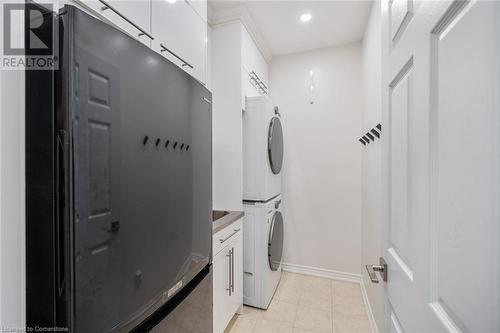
(226, 235)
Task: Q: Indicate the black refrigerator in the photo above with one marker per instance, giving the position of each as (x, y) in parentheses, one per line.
(119, 186)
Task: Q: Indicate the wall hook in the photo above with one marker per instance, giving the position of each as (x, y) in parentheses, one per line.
(370, 136)
(167, 143)
(157, 142)
(187, 147)
(145, 140)
(362, 141)
(175, 144)
(379, 126)
(366, 139)
(375, 132)
(182, 146)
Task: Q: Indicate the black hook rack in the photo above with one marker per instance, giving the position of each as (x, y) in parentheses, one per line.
(371, 134)
(182, 146)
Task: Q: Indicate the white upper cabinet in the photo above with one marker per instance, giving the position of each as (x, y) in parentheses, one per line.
(200, 6)
(180, 35)
(252, 59)
(179, 28)
(138, 12)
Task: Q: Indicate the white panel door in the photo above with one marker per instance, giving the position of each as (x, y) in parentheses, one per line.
(441, 113)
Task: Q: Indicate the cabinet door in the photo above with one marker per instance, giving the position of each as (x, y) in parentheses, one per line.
(200, 6)
(252, 59)
(181, 30)
(137, 11)
(222, 307)
(237, 295)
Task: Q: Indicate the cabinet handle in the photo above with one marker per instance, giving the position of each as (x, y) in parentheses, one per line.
(108, 6)
(184, 62)
(222, 240)
(230, 270)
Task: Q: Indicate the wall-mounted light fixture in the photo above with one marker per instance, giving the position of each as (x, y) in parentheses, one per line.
(311, 87)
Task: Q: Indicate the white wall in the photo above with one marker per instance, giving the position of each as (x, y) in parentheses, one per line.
(227, 123)
(12, 197)
(322, 167)
(209, 58)
(372, 172)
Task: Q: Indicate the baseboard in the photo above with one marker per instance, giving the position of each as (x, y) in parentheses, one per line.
(321, 272)
(368, 308)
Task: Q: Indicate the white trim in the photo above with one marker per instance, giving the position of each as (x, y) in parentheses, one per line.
(240, 13)
(368, 308)
(445, 319)
(321, 272)
(404, 267)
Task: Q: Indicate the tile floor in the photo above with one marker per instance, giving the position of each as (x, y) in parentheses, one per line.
(307, 304)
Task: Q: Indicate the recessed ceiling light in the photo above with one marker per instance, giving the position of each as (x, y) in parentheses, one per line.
(305, 17)
(171, 1)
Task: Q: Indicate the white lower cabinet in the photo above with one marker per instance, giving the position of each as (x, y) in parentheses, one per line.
(228, 277)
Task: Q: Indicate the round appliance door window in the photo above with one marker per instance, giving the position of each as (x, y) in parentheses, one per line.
(275, 145)
(275, 244)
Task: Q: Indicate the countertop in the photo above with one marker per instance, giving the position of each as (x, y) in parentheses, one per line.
(226, 220)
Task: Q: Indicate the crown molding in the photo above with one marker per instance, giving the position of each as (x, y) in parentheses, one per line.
(240, 13)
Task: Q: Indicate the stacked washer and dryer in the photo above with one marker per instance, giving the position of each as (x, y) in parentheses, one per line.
(263, 221)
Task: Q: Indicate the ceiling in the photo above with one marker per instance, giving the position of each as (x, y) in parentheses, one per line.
(278, 22)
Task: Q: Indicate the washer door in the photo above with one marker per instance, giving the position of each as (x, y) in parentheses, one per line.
(275, 243)
(275, 145)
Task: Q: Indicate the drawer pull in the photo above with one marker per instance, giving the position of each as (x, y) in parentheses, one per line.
(222, 240)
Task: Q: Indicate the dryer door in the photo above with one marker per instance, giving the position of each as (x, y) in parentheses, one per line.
(275, 145)
(275, 242)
